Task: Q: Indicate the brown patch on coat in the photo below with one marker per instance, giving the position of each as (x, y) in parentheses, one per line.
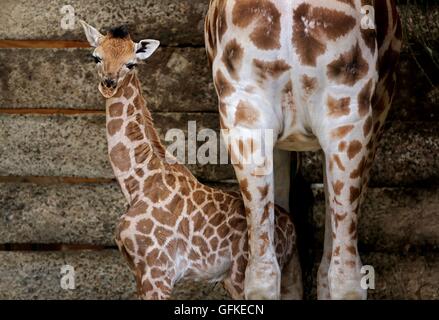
(139, 208)
(222, 85)
(155, 189)
(199, 242)
(153, 164)
(199, 197)
(349, 67)
(354, 194)
(367, 126)
(128, 244)
(339, 162)
(309, 84)
(116, 109)
(310, 42)
(274, 69)
(183, 228)
(341, 132)
(145, 226)
(338, 107)
(266, 213)
(266, 34)
(244, 189)
(342, 146)
(162, 234)
(208, 232)
(128, 92)
(232, 58)
(338, 187)
(364, 99)
(352, 250)
(360, 169)
(175, 208)
(246, 114)
(131, 110)
(223, 232)
(265, 242)
(354, 148)
(350, 264)
(217, 219)
(339, 217)
(141, 153)
(114, 126)
(132, 185)
(133, 132)
(264, 191)
(120, 157)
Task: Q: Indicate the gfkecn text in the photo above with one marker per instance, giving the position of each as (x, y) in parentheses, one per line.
(224, 309)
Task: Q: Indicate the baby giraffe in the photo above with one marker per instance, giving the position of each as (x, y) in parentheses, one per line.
(175, 227)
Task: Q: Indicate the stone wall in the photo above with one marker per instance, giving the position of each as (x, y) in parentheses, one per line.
(59, 202)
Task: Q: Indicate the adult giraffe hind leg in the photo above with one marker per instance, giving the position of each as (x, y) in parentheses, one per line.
(254, 171)
(345, 162)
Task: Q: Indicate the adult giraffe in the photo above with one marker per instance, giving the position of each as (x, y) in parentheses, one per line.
(316, 74)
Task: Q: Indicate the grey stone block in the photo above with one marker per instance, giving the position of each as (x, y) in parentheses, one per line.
(173, 22)
(98, 275)
(65, 146)
(104, 275)
(407, 156)
(391, 220)
(173, 79)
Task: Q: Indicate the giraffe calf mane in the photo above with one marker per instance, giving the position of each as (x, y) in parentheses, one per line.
(120, 32)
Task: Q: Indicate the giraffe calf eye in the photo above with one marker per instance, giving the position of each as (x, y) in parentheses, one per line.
(130, 65)
(97, 59)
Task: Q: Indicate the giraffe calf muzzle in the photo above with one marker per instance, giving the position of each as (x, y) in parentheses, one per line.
(108, 87)
(109, 83)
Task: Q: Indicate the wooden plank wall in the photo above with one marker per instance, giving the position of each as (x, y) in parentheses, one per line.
(59, 202)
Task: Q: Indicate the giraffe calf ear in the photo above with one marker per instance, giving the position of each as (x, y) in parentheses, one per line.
(93, 35)
(145, 48)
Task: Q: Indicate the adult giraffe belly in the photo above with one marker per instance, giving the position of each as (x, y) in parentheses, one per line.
(298, 142)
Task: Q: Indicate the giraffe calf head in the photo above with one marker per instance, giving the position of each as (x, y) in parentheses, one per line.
(116, 55)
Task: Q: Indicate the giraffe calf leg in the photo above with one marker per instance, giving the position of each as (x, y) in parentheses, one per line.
(322, 274)
(291, 281)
